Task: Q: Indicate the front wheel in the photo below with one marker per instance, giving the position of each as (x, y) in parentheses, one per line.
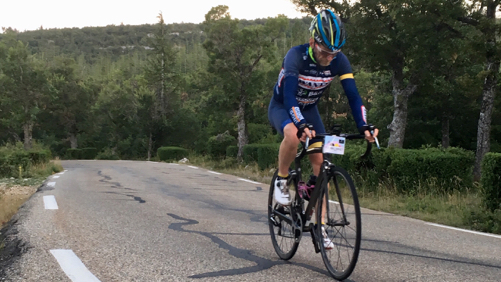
(341, 234)
(285, 224)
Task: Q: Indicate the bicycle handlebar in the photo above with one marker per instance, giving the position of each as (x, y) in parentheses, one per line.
(348, 137)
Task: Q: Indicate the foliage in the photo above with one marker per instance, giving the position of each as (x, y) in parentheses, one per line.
(217, 145)
(89, 153)
(74, 154)
(267, 155)
(171, 153)
(491, 181)
(232, 151)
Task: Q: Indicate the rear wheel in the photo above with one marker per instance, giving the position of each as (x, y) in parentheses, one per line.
(285, 224)
(342, 224)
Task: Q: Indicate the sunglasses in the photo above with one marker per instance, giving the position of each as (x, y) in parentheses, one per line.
(326, 53)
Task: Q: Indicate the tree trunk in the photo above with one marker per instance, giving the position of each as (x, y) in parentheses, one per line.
(400, 102)
(149, 146)
(242, 130)
(28, 134)
(73, 141)
(484, 122)
(489, 91)
(445, 131)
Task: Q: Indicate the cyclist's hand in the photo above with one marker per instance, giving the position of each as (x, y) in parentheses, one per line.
(305, 130)
(307, 133)
(366, 129)
(371, 137)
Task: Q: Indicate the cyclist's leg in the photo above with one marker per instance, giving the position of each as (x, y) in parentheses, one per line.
(312, 115)
(280, 120)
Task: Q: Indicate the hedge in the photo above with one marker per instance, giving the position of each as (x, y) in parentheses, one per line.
(171, 153)
(217, 145)
(40, 157)
(267, 155)
(250, 152)
(11, 161)
(74, 154)
(89, 153)
(491, 181)
(232, 151)
(411, 169)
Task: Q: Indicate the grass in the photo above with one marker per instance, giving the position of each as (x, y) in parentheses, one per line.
(15, 191)
(461, 209)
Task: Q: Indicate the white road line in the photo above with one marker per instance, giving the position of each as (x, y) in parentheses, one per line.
(51, 184)
(55, 176)
(337, 203)
(65, 170)
(246, 180)
(214, 172)
(466, 230)
(193, 167)
(50, 202)
(73, 266)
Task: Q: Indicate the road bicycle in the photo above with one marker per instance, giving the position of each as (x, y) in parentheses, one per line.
(333, 200)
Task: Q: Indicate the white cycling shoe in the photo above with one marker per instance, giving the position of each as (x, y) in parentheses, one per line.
(281, 192)
(328, 245)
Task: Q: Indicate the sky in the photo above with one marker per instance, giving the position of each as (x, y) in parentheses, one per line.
(32, 14)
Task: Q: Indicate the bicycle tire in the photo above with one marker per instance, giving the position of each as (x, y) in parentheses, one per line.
(345, 234)
(283, 235)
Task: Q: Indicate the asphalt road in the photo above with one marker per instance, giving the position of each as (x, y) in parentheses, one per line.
(146, 221)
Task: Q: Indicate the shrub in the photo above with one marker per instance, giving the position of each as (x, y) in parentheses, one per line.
(250, 153)
(216, 146)
(232, 151)
(491, 181)
(40, 156)
(89, 153)
(171, 153)
(74, 154)
(107, 154)
(267, 155)
(258, 132)
(11, 161)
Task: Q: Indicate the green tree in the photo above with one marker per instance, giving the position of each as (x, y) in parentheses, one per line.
(482, 15)
(24, 85)
(234, 55)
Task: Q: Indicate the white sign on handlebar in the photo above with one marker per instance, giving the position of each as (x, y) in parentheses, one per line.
(334, 145)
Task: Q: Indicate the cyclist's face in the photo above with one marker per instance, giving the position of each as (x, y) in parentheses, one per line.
(323, 55)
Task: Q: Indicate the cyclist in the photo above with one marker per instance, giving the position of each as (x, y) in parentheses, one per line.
(307, 70)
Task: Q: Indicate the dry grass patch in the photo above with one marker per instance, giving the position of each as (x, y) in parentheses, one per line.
(11, 198)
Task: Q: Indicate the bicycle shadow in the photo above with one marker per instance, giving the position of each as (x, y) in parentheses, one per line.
(261, 263)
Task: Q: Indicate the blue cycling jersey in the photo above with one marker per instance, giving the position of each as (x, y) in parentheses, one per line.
(302, 81)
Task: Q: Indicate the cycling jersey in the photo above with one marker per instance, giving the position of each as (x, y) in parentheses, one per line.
(302, 81)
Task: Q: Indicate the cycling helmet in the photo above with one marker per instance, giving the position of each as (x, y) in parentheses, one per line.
(328, 30)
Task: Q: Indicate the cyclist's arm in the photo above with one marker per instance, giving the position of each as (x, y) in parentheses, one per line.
(292, 63)
(351, 91)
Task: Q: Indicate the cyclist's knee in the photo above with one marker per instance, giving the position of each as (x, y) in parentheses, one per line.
(290, 134)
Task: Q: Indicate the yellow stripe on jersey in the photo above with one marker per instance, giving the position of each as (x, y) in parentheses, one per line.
(345, 76)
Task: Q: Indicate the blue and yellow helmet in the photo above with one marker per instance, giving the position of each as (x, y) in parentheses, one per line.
(328, 30)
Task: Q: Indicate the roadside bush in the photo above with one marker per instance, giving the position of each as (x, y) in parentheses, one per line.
(107, 154)
(40, 156)
(491, 181)
(74, 154)
(171, 153)
(217, 145)
(89, 153)
(250, 153)
(429, 169)
(232, 151)
(258, 132)
(11, 161)
(267, 155)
